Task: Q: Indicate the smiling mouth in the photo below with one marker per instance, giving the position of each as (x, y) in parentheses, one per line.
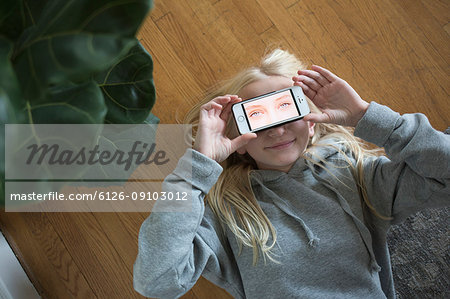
(281, 145)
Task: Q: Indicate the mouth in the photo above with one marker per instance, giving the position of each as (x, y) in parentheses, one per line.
(282, 145)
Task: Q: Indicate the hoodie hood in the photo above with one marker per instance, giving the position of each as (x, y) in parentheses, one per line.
(262, 177)
(269, 182)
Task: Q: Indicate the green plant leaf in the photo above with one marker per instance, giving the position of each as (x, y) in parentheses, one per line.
(16, 15)
(121, 137)
(10, 21)
(5, 110)
(152, 119)
(57, 48)
(11, 99)
(128, 87)
(10, 103)
(74, 57)
(120, 17)
(70, 104)
(73, 104)
(72, 40)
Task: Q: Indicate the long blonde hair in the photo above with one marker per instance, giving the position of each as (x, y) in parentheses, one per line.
(232, 198)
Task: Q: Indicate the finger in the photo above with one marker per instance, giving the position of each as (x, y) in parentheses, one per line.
(317, 117)
(235, 99)
(214, 102)
(226, 111)
(232, 96)
(326, 73)
(220, 100)
(308, 91)
(242, 140)
(322, 80)
(225, 99)
(203, 114)
(210, 113)
(311, 82)
(208, 106)
(213, 109)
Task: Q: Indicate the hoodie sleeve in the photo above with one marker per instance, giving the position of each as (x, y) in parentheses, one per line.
(175, 248)
(416, 174)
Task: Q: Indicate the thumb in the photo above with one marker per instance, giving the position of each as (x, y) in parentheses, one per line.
(241, 141)
(317, 117)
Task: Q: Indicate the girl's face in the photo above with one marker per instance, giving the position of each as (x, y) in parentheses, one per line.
(276, 148)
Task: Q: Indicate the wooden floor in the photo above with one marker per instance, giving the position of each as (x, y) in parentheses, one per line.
(396, 52)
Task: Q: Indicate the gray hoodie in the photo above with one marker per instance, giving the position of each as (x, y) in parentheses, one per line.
(326, 247)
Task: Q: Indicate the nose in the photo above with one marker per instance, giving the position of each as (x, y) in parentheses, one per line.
(277, 131)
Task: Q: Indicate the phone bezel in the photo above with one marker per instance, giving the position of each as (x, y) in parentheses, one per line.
(239, 111)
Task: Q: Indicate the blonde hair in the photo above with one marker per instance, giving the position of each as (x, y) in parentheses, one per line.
(232, 198)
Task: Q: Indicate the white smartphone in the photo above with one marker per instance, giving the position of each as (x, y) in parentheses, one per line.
(270, 110)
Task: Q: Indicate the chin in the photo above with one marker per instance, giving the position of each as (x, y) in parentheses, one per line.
(285, 163)
(288, 158)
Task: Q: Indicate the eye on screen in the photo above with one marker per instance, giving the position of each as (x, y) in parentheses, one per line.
(271, 109)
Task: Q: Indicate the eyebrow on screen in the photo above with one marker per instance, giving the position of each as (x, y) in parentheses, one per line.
(283, 97)
(254, 106)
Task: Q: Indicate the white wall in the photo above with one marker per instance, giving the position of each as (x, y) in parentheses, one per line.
(14, 283)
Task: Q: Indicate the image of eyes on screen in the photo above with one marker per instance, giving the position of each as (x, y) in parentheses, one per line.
(269, 110)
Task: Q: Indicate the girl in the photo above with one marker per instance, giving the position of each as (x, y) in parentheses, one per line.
(307, 196)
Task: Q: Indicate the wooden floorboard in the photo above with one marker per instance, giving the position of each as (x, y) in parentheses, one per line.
(396, 52)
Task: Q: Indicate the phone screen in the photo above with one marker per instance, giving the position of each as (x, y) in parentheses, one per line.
(269, 110)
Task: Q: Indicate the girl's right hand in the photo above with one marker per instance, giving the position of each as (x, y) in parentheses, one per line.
(211, 139)
(337, 100)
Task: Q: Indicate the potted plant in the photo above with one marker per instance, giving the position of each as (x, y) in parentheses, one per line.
(73, 62)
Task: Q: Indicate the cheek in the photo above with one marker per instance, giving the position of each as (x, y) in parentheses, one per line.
(302, 130)
(251, 147)
(299, 126)
(255, 147)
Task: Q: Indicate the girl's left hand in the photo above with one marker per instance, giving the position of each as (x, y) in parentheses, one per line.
(338, 101)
